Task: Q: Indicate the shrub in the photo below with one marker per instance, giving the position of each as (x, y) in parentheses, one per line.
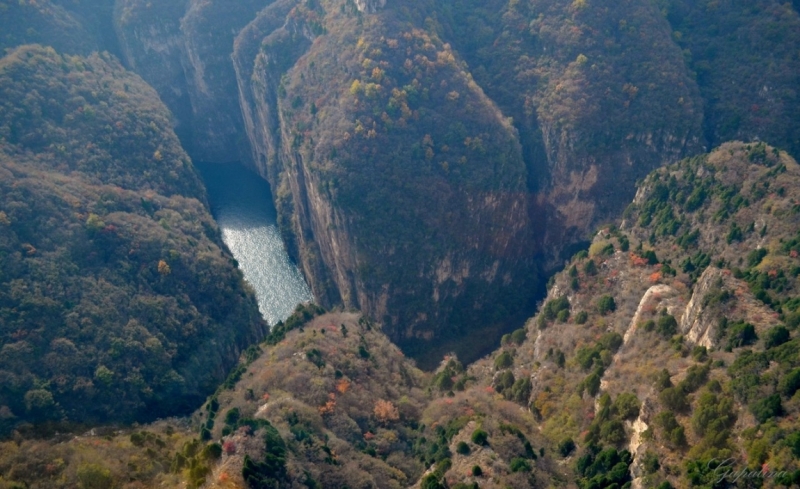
(503, 360)
(554, 307)
(592, 383)
(650, 256)
(518, 336)
(431, 481)
(699, 353)
(767, 408)
(520, 391)
(627, 405)
(663, 380)
(479, 437)
(713, 415)
(601, 248)
(674, 399)
(790, 383)
(667, 326)
(93, 476)
(606, 305)
(650, 462)
(776, 336)
(520, 465)
(562, 316)
(695, 377)
(755, 257)
(212, 451)
(611, 341)
(741, 334)
(462, 448)
(566, 447)
(477, 471)
(581, 317)
(590, 268)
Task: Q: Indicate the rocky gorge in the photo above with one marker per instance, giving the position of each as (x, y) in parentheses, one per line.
(479, 158)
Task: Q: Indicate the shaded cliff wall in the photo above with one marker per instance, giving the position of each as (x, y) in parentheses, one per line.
(183, 49)
(600, 95)
(430, 157)
(393, 214)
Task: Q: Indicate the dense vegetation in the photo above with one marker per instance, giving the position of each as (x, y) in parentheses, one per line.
(682, 321)
(378, 127)
(428, 159)
(118, 300)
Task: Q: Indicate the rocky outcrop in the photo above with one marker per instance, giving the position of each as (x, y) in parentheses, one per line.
(370, 6)
(716, 295)
(657, 297)
(637, 445)
(699, 322)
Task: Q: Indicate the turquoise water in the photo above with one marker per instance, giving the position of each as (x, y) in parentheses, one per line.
(241, 203)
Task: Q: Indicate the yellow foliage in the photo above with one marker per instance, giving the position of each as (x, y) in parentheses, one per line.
(163, 268)
(4, 220)
(355, 88)
(371, 90)
(597, 247)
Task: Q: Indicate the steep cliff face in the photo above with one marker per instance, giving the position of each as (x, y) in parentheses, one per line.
(152, 45)
(600, 95)
(401, 185)
(395, 214)
(183, 50)
(689, 308)
(749, 77)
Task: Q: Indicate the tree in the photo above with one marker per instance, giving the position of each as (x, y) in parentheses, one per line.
(776, 336)
(606, 304)
(385, 411)
(667, 326)
(93, 476)
(566, 447)
(479, 437)
(503, 360)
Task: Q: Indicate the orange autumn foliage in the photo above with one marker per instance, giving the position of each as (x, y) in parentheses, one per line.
(386, 411)
(342, 386)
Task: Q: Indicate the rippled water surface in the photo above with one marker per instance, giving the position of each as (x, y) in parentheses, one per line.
(242, 205)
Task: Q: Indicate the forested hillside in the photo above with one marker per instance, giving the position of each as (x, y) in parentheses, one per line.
(671, 345)
(118, 300)
(664, 356)
(397, 137)
(431, 164)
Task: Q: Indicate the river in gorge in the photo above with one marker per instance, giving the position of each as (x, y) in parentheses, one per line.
(241, 202)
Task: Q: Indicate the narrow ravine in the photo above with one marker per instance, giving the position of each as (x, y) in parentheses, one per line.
(241, 202)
